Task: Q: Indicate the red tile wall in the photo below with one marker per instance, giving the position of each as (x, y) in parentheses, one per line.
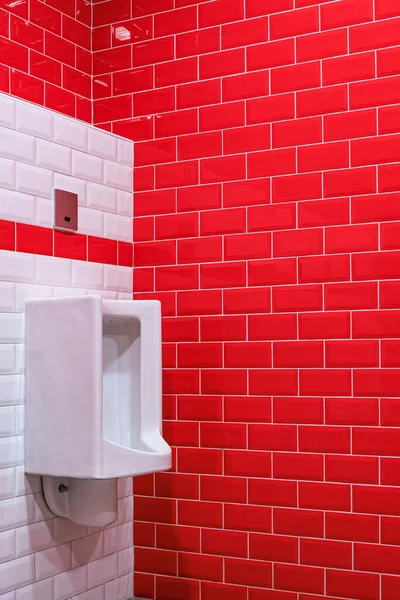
(267, 221)
(45, 54)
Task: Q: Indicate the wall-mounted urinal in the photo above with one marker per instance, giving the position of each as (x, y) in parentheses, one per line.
(93, 401)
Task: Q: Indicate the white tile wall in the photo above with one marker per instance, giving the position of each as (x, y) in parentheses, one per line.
(42, 557)
(74, 153)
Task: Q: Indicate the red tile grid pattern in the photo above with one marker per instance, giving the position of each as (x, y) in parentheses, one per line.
(267, 213)
(45, 54)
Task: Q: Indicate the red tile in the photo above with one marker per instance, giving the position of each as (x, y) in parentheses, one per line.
(176, 485)
(247, 572)
(125, 254)
(249, 354)
(103, 13)
(175, 72)
(388, 62)
(273, 548)
(374, 35)
(223, 328)
(342, 526)
(266, 7)
(215, 591)
(154, 253)
(199, 302)
(245, 463)
(351, 239)
(198, 94)
(379, 382)
(220, 12)
(304, 579)
(180, 382)
(20, 9)
(297, 132)
(244, 33)
(58, 99)
(294, 23)
(219, 64)
(348, 12)
(247, 301)
(206, 408)
(7, 235)
(272, 327)
(325, 496)
(197, 42)
(200, 145)
(374, 93)
(246, 139)
(299, 466)
(264, 218)
(176, 21)
(274, 108)
(199, 198)
(222, 489)
(293, 78)
(227, 543)
(176, 175)
(222, 116)
(76, 32)
(224, 382)
(272, 54)
(26, 33)
(200, 250)
(203, 514)
(329, 382)
(256, 245)
(180, 330)
(375, 265)
(102, 250)
(176, 123)
(297, 187)
(13, 55)
(357, 67)
(44, 16)
(172, 537)
(244, 193)
(298, 354)
(321, 157)
(324, 325)
(59, 49)
(26, 87)
(321, 45)
(321, 553)
(324, 269)
(155, 509)
(389, 178)
(247, 518)
(107, 61)
(280, 382)
(298, 410)
(352, 354)
(68, 245)
(298, 243)
(352, 584)
(33, 239)
(134, 129)
(352, 469)
(200, 567)
(224, 221)
(144, 584)
(297, 298)
(155, 151)
(271, 162)
(200, 355)
(134, 80)
(152, 51)
(249, 85)
(148, 7)
(171, 588)
(329, 212)
(156, 561)
(350, 125)
(351, 411)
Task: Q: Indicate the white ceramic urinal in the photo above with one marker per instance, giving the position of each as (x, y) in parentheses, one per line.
(93, 400)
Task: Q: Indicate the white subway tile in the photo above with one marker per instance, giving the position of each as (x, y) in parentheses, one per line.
(19, 358)
(102, 197)
(90, 222)
(102, 570)
(17, 266)
(7, 419)
(53, 561)
(87, 549)
(7, 483)
(119, 589)
(15, 206)
(8, 596)
(53, 271)
(117, 538)
(34, 538)
(70, 583)
(11, 328)
(7, 111)
(66, 531)
(17, 146)
(34, 120)
(16, 573)
(125, 561)
(7, 359)
(71, 184)
(7, 545)
(102, 144)
(34, 180)
(19, 419)
(65, 292)
(28, 291)
(16, 512)
(85, 274)
(117, 227)
(11, 390)
(96, 593)
(87, 167)
(117, 278)
(53, 156)
(118, 176)
(44, 213)
(103, 294)
(125, 509)
(11, 452)
(125, 484)
(27, 484)
(7, 297)
(69, 132)
(7, 173)
(125, 203)
(42, 590)
(125, 152)
(124, 296)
